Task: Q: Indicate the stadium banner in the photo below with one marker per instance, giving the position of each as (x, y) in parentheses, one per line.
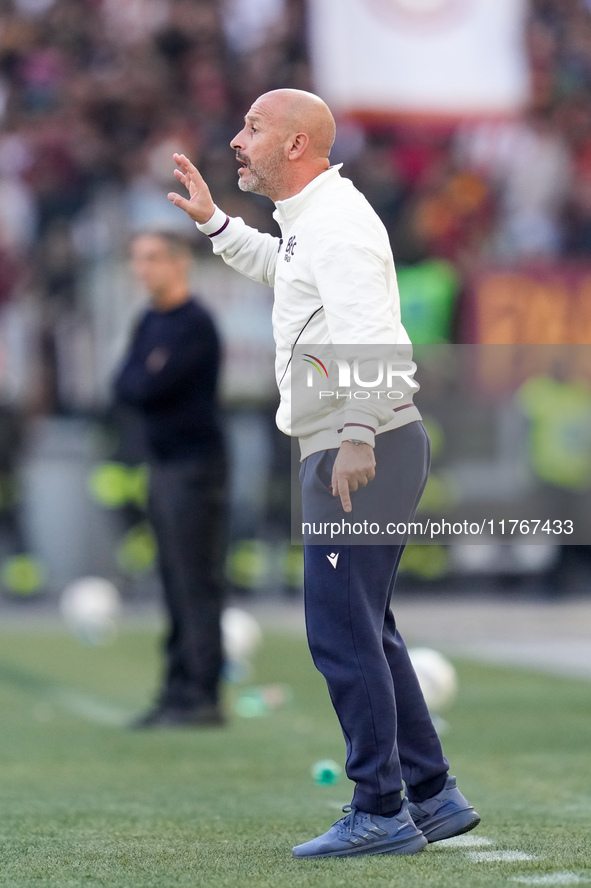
(441, 57)
(510, 463)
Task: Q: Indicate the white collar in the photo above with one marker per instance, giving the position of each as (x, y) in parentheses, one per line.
(287, 209)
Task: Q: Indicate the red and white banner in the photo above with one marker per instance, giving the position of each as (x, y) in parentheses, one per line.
(428, 56)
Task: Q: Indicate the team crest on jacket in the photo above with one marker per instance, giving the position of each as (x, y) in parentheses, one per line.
(289, 248)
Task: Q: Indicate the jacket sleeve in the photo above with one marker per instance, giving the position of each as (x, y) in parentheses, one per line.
(357, 285)
(243, 248)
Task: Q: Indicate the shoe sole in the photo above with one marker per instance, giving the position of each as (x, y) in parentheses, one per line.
(412, 845)
(446, 827)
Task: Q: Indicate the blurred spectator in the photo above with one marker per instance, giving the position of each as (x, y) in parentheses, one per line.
(529, 164)
(169, 376)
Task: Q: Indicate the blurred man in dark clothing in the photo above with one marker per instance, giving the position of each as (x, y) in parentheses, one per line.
(169, 375)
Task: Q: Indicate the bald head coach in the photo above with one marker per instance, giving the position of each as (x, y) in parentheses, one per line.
(334, 282)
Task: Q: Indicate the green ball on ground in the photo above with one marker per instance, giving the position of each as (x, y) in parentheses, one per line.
(326, 772)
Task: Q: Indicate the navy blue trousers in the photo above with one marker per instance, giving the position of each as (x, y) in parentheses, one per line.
(353, 637)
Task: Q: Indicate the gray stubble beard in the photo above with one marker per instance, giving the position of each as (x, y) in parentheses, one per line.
(265, 179)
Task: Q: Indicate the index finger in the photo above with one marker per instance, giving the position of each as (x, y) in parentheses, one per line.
(344, 495)
(185, 164)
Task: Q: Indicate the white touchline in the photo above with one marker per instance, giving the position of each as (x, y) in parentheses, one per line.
(468, 842)
(333, 558)
(498, 856)
(564, 878)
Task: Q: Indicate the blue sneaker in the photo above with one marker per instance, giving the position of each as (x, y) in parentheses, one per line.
(445, 814)
(359, 833)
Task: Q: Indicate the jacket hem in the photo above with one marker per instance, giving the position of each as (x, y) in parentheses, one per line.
(331, 440)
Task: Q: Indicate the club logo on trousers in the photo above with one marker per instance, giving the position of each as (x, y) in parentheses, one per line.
(289, 248)
(333, 558)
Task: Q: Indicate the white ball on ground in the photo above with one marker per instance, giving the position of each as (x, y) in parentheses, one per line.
(90, 607)
(437, 677)
(241, 635)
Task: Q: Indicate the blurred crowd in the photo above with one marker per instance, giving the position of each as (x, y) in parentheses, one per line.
(95, 95)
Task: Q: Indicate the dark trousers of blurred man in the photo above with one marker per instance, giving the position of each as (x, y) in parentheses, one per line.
(186, 506)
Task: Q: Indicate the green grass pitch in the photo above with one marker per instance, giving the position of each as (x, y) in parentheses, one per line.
(86, 802)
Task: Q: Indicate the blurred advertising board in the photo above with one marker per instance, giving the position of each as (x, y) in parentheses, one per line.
(544, 305)
(548, 306)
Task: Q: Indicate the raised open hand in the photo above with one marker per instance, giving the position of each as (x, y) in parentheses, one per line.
(200, 207)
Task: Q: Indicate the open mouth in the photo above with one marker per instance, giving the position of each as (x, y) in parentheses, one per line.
(243, 164)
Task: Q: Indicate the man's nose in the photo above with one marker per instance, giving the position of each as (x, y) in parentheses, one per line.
(236, 141)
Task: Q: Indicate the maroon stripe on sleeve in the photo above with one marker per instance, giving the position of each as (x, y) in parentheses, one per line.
(219, 231)
(359, 425)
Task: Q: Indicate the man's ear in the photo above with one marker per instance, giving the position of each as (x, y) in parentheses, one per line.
(298, 146)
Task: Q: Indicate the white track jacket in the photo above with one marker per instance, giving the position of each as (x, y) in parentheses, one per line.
(335, 284)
